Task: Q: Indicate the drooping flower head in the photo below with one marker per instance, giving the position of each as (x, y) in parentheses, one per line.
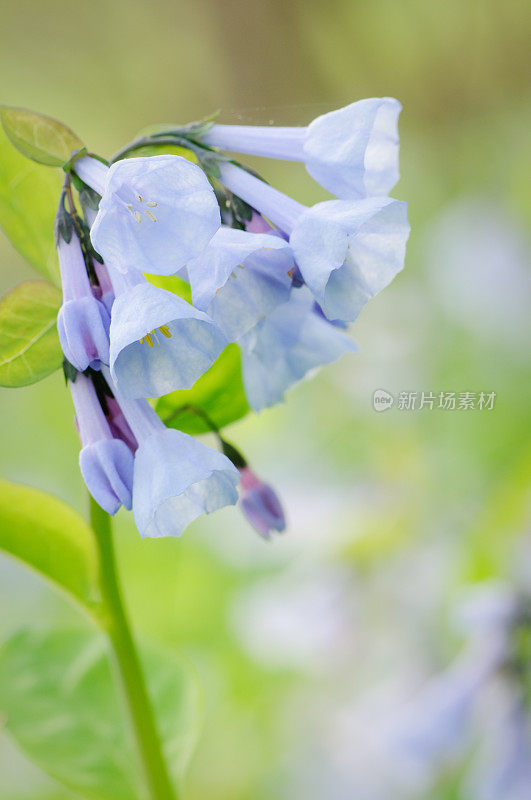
(282, 282)
(346, 251)
(155, 214)
(352, 152)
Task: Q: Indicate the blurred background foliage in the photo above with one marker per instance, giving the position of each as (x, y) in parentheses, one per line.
(391, 515)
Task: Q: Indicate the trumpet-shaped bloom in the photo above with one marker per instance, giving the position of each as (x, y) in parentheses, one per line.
(349, 251)
(352, 152)
(106, 463)
(176, 478)
(346, 251)
(282, 348)
(83, 321)
(260, 504)
(156, 213)
(159, 342)
(240, 278)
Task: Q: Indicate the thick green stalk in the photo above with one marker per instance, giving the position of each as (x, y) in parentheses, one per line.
(129, 668)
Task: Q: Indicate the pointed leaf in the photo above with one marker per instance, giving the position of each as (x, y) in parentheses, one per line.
(50, 537)
(29, 342)
(29, 194)
(61, 705)
(38, 137)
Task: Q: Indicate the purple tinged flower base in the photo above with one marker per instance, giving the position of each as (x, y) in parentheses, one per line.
(260, 504)
(83, 321)
(118, 424)
(104, 291)
(106, 463)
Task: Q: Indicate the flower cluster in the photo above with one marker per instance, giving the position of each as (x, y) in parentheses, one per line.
(278, 278)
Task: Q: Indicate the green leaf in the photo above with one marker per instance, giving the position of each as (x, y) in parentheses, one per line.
(38, 137)
(29, 194)
(58, 696)
(172, 283)
(29, 342)
(218, 392)
(51, 538)
(164, 149)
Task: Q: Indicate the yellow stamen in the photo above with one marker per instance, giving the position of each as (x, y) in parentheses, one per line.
(138, 216)
(140, 198)
(151, 339)
(151, 204)
(151, 216)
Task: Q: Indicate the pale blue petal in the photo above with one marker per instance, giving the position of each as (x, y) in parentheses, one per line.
(353, 152)
(228, 249)
(176, 480)
(107, 469)
(270, 141)
(348, 251)
(282, 349)
(171, 363)
(175, 204)
(83, 327)
(282, 210)
(252, 291)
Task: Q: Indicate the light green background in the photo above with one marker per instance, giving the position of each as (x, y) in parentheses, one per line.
(391, 514)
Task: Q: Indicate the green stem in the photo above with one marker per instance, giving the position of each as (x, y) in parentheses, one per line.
(134, 687)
